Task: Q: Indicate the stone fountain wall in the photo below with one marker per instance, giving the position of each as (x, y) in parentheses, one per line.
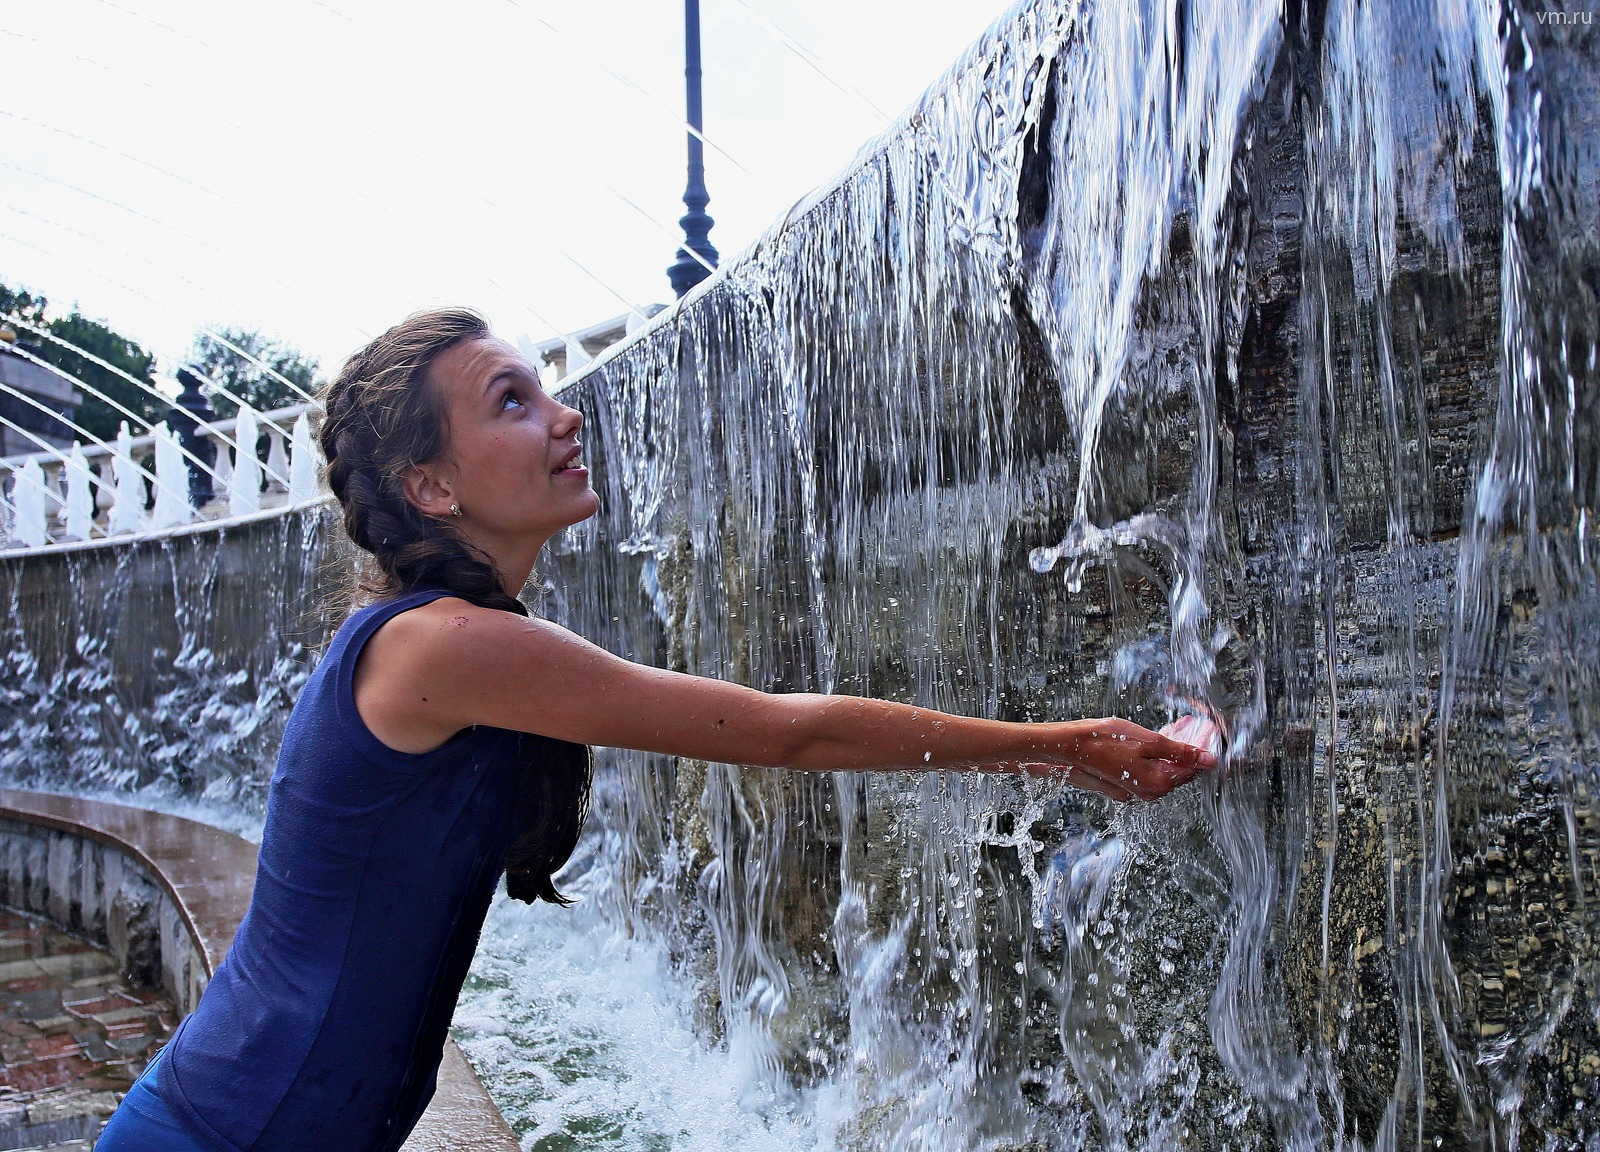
(1258, 329)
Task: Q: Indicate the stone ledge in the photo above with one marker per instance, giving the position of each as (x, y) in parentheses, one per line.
(204, 876)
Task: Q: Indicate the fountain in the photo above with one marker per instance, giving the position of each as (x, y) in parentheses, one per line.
(1183, 357)
(127, 508)
(80, 495)
(28, 499)
(303, 463)
(244, 482)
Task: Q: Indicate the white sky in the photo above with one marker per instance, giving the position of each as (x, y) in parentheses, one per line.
(319, 168)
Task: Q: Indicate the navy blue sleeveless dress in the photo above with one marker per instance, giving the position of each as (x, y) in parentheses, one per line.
(325, 1024)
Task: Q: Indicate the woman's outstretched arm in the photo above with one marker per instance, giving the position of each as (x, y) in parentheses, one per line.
(448, 665)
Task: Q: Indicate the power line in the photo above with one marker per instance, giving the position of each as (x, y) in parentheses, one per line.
(651, 97)
(809, 58)
(666, 228)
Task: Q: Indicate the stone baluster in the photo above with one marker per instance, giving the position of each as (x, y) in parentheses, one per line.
(104, 486)
(224, 478)
(55, 503)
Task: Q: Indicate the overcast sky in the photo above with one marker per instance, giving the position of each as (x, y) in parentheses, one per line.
(318, 168)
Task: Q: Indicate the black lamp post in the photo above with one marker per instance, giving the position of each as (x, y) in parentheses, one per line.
(686, 271)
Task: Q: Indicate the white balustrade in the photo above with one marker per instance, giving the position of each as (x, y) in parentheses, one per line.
(277, 460)
(89, 492)
(104, 468)
(55, 506)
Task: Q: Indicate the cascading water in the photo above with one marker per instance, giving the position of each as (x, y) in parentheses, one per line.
(169, 660)
(1187, 357)
(1272, 332)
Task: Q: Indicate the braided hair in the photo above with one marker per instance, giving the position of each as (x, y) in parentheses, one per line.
(382, 417)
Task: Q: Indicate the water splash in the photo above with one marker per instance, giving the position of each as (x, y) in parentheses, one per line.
(127, 508)
(244, 481)
(172, 506)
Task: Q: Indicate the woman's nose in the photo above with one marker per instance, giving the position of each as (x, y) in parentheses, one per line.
(568, 421)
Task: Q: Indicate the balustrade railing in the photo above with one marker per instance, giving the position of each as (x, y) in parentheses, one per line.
(91, 492)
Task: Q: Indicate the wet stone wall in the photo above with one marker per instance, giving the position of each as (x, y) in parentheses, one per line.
(1181, 357)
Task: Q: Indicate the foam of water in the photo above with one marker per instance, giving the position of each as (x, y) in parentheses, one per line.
(589, 1039)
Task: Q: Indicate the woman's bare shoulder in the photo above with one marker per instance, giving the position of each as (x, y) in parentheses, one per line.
(437, 622)
(408, 660)
(452, 634)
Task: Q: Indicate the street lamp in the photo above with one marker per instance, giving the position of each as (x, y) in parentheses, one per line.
(686, 271)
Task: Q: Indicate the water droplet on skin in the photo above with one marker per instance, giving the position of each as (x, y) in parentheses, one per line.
(927, 757)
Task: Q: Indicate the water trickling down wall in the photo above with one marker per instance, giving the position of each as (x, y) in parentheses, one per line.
(1190, 355)
(1174, 356)
(169, 659)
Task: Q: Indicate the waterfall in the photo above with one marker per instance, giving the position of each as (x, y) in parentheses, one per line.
(1182, 357)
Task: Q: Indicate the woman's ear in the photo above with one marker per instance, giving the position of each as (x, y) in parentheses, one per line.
(427, 490)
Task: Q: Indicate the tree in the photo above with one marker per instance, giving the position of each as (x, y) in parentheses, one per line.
(255, 384)
(97, 417)
(22, 303)
(94, 414)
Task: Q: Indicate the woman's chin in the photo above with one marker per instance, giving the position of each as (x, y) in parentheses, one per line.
(589, 509)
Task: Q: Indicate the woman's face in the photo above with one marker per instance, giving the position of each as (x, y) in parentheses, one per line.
(511, 460)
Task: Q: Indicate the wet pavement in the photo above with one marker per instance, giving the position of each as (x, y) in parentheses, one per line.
(73, 1035)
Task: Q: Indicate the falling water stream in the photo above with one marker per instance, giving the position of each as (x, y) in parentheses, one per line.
(1168, 358)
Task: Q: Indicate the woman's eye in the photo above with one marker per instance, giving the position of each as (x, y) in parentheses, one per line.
(509, 400)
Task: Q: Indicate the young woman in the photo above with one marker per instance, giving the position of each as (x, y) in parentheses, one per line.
(443, 739)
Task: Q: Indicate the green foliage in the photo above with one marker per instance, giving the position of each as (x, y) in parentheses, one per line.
(22, 303)
(261, 388)
(95, 415)
(209, 355)
(98, 417)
